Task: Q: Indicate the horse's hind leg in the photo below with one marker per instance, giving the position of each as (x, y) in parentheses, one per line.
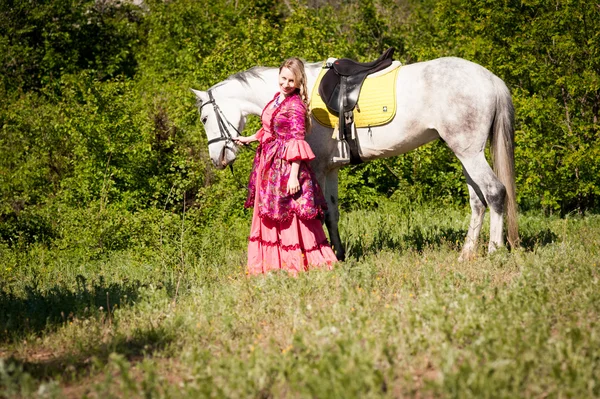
(332, 215)
(490, 192)
(329, 184)
(477, 214)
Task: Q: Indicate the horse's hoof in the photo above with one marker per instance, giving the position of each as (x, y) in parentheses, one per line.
(466, 257)
(493, 247)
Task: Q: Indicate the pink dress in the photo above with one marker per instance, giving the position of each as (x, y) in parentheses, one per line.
(287, 231)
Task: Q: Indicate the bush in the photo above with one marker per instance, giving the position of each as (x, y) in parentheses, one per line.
(98, 111)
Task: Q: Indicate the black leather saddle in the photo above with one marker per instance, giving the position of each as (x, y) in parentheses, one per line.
(341, 85)
(340, 88)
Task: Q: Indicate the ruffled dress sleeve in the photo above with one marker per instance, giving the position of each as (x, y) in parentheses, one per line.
(296, 148)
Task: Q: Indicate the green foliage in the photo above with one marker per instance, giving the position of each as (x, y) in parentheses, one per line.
(429, 173)
(98, 113)
(549, 55)
(41, 40)
(117, 234)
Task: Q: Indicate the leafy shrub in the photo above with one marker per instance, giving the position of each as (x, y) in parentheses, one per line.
(98, 112)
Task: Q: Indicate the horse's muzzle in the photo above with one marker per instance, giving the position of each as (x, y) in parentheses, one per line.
(227, 157)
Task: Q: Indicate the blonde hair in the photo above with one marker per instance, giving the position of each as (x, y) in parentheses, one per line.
(296, 66)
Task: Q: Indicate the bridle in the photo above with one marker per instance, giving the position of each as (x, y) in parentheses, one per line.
(222, 122)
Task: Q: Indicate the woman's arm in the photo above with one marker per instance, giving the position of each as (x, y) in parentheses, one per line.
(243, 140)
(296, 148)
(293, 185)
(296, 114)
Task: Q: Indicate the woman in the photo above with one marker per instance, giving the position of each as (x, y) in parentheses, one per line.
(286, 231)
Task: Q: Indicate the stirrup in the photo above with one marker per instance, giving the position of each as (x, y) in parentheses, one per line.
(342, 153)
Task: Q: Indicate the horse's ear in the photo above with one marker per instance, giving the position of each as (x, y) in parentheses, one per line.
(200, 95)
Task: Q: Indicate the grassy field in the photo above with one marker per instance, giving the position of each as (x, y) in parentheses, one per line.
(175, 316)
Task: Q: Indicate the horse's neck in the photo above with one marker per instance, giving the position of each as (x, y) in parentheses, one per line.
(254, 88)
(312, 73)
(251, 89)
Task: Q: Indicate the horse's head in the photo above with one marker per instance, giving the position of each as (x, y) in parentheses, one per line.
(223, 121)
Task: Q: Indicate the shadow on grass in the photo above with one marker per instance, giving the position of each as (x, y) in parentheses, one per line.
(540, 238)
(37, 309)
(417, 240)
(72, 365)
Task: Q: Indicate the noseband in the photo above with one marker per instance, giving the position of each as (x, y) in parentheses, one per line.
(222, 122)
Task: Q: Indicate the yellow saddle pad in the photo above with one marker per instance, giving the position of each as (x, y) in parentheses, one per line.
(376, 102)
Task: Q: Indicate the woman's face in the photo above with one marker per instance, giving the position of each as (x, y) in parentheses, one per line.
(287, 82)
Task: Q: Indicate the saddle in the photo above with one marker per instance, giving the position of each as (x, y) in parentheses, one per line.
(340, 88)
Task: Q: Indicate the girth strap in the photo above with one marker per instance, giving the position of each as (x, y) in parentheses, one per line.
(345, 124)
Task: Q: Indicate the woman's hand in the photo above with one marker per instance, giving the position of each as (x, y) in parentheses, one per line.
(243, 140)
(293, 185)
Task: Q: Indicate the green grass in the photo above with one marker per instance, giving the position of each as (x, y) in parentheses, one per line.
(400, 318)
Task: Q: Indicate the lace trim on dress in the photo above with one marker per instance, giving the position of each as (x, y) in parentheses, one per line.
(293, 247)
(279, 108)
(317, 214)
(267, 106)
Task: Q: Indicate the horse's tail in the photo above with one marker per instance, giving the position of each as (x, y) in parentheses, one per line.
(503, 155)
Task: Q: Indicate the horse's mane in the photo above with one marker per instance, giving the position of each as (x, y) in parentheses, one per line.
(243, 77)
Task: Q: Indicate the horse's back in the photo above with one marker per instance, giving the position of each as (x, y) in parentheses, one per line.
(447, 76)
(450, 95)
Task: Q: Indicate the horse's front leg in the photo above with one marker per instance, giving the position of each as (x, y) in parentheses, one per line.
(332, 215)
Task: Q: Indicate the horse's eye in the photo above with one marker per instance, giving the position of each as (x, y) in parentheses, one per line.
(204, 120)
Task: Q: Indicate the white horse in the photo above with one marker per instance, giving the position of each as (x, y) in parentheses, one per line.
(449, 98)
